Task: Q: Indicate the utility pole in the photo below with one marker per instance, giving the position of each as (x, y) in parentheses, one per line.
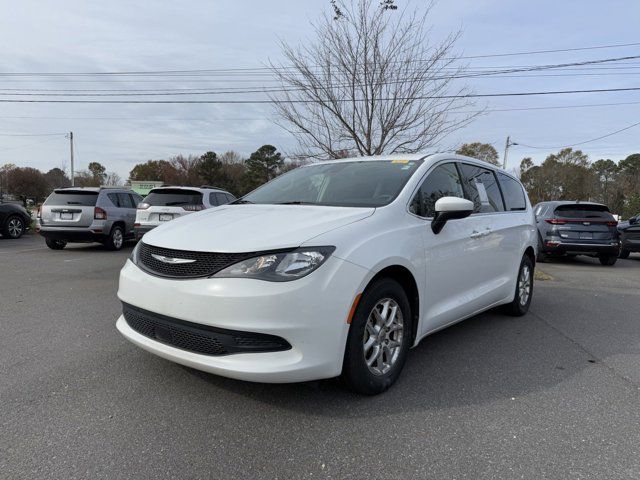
(507, 144)
(71, 145)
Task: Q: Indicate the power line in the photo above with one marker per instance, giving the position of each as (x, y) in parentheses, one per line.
(28, 145)
(258, 102)
(258, 69)
(582, 143)
(30, 134)
(289, 89)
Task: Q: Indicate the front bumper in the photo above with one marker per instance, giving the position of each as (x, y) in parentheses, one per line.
(631, 244)
(309, 313)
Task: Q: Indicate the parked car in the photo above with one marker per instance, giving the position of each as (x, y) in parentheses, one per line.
(164, 204)
(629, 236)
(15, 220)
(332, 268)
(104, 215)
(576, 228)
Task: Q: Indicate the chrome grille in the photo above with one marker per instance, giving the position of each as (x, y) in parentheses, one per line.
(204, 264)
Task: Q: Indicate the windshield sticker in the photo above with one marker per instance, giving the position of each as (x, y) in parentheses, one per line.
(400, 161)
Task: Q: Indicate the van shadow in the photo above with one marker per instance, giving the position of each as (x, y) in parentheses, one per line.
(486, 358)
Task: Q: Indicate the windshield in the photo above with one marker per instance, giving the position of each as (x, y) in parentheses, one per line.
(72, 197)
(341, 184)
(173, 197)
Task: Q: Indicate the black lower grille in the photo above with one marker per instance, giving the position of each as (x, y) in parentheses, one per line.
(198, 338)
(185, 263)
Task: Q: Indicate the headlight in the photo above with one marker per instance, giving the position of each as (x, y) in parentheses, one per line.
(279, 267)
(134, 255)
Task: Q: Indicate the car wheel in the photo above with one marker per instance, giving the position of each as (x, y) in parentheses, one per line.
(524, 289)
(608, 260)
(55, 244)
(379, 338)
(13, 227)
(115, 239)
(624, 254)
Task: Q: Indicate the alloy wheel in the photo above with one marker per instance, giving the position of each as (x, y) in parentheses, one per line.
(382, 339)
(524, 285)
(15, 227)
(117, 238)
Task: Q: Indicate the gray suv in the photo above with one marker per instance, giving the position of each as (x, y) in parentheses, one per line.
(104, 215)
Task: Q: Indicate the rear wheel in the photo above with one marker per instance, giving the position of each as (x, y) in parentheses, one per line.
(624, 254)
(115, 239)
(13, 227)
(524, 289)
(379, 338)
(55, 244)
(608, 260)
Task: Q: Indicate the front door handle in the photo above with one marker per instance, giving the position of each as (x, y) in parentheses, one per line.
(475, 234)
(487, 232)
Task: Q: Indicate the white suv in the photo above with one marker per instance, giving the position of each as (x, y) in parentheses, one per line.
(333, 268)
(163, 204)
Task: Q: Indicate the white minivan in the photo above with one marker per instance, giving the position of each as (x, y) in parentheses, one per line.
(334, 268)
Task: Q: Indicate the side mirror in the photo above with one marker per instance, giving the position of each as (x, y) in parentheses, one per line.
(450, 208)
(633, 220)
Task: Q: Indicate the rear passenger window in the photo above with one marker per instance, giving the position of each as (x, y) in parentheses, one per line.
(443, 181)
(125, 200)
(213, 200)
(114, 199)
(482, 189)
(513, 193)
(222, 198)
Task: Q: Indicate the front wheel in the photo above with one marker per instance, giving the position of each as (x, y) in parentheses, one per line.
(55, 244)
(379, 338)
(624, 254)
(524, 289)
(13, 227)
(608, 260)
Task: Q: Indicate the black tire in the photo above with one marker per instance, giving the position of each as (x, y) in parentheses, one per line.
(608, 261)
(115, 240)
(517, 307)
(624, 254)
(356, 373)
(14, 227)
(542, 257)
(55, 244)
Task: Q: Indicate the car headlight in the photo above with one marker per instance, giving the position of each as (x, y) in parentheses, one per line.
(134, 254)
(278, 266)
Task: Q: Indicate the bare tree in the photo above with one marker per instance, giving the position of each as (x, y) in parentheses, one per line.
(370, 83)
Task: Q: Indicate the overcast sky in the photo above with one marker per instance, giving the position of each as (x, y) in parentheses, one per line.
(84, 36)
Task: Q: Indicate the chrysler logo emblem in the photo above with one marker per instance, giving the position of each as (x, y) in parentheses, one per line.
(586, 223)
(171, 260)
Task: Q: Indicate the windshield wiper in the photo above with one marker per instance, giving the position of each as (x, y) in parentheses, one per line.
(173, 204)
(296, 202)
(240, 201)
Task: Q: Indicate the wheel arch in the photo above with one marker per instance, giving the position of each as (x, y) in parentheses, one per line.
(406, 279)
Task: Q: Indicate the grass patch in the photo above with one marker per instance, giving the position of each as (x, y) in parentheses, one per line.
(541, 276)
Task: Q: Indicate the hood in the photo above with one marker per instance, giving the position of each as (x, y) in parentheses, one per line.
(252, 228)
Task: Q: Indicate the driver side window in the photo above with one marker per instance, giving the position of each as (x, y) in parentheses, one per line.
(443, 181)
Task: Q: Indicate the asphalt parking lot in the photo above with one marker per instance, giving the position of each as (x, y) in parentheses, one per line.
(554, 394)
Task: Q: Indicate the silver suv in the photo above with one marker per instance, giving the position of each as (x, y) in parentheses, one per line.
(104, 215)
